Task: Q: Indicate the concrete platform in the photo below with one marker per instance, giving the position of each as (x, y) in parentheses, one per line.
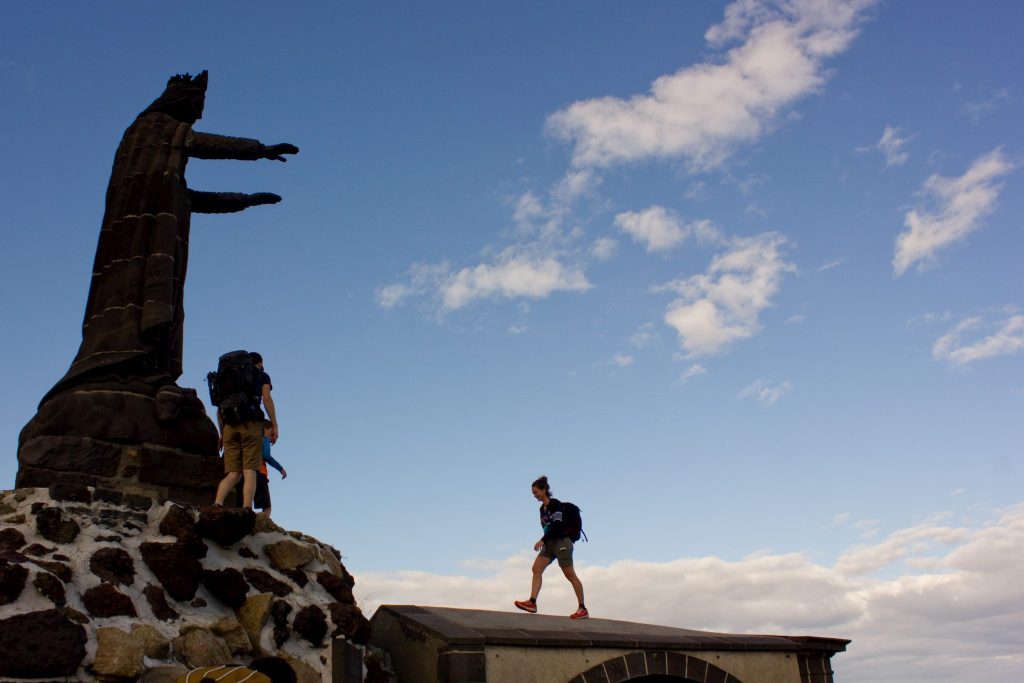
(449, 645)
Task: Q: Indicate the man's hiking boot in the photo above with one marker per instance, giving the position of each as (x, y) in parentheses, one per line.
(526, 605)
(581, 613)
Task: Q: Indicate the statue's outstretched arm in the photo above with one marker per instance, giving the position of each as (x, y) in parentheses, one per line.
(228, 202)
(210, 146)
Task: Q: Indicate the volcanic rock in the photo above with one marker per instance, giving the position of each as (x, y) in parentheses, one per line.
(265, 583)
(113, 565)
(158, 603)
(311, 623)
(12, 581)
(40, 645)
(337, 586)
(176, 568)
(349, 622)
(227, 585)
(106, 601)
(52, 526)
(50, 586)
(178, 522)
(296, 575)
(225, 526)
(11, 539)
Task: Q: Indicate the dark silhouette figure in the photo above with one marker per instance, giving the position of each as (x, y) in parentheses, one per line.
(120, 397)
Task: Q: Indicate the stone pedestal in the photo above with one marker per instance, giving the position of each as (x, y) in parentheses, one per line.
(134, 437)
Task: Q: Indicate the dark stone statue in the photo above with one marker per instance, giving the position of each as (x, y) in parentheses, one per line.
(118, 418)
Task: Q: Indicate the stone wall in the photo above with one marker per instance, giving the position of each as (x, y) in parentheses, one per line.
(99, 585)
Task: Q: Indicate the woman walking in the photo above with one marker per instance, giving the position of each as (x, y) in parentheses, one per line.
(555, 544)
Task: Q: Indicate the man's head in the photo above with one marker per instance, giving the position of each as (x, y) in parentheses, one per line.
(257, 359)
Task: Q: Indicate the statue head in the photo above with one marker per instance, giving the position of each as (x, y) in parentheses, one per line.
(183, 98)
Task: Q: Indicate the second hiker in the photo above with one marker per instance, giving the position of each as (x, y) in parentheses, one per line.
(556, 543)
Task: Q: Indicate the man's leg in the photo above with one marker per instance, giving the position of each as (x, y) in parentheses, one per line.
(252, 458)
(225, 486)
(248, 487)
(232, 463)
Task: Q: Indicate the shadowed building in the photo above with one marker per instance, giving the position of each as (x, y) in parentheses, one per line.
(448, 645)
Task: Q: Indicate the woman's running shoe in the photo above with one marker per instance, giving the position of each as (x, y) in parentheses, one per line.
(526, 605)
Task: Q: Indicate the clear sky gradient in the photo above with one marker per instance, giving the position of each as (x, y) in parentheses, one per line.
(743, 279)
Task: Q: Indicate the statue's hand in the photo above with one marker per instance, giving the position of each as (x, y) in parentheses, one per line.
(263, 198)
(275, 151)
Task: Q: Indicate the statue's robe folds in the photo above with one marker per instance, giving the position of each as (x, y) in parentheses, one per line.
(134, 315)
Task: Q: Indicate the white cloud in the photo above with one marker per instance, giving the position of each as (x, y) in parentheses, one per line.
(622, 360)
(514, 276)
(661, 229)
(517, 329)
(513, 273)
(697, 191)
(891, 147)
(796, 318)
(722, 305)
(932, 603)
(830, 265)
(764, 392)
(1004, 337)
(604, 248)
(644, 337)
(963, 202)
(702, 112)
(979, 109)
(422, 277)
(392, 295)
(695, 370)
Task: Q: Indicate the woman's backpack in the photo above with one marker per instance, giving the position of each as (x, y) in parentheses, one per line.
(572, 521)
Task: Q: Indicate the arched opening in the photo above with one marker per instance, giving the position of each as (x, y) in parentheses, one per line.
(656, 666)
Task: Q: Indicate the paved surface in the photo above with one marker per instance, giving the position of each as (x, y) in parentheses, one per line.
(482, 627)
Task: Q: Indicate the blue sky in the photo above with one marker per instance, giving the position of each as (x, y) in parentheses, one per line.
(743, 279)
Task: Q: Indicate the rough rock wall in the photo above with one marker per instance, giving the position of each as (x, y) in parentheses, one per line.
(97, 585)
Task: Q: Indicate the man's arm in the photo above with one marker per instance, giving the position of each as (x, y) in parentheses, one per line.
(220, 430)
(268, 403)
(210, 146)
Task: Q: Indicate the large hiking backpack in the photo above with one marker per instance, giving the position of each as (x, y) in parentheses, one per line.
(572, 521)
(235, 387)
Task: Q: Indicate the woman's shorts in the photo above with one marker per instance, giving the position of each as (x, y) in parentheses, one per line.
(557, 549)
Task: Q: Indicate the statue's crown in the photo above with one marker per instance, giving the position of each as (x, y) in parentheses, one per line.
(188, 81)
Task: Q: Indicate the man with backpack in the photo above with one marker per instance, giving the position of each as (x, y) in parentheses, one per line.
(238, 388)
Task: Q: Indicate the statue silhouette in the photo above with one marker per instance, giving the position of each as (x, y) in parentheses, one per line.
(119, 399)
